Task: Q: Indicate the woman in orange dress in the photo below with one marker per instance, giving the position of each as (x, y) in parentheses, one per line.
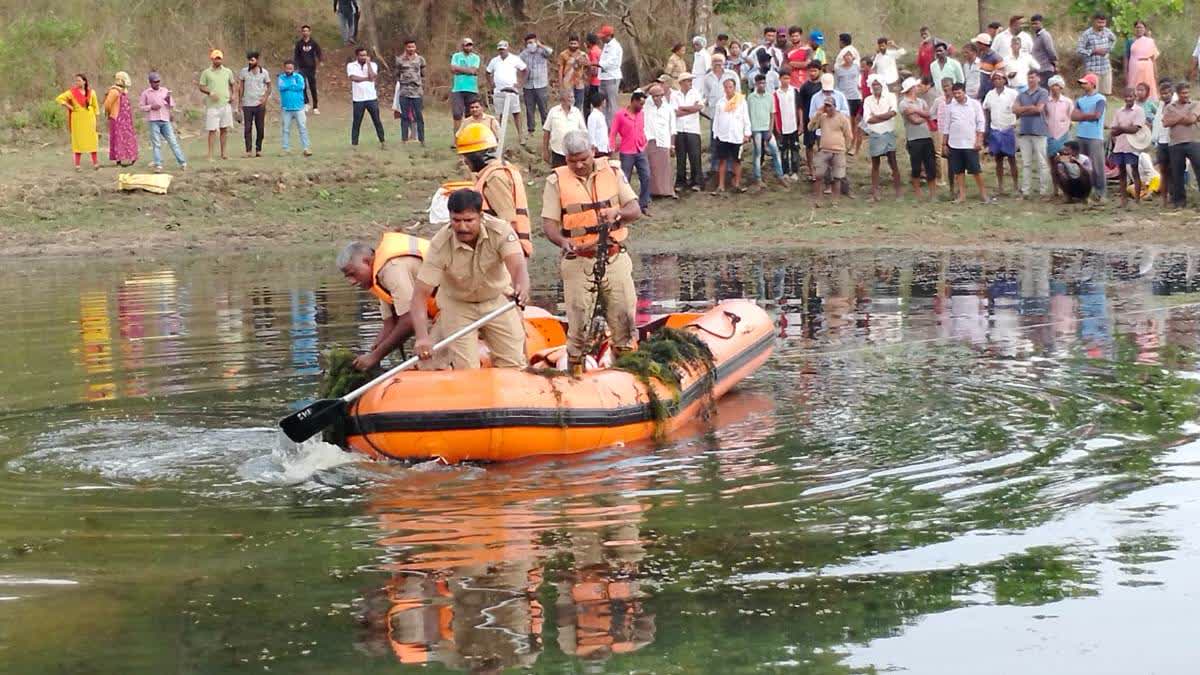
(1143, 54)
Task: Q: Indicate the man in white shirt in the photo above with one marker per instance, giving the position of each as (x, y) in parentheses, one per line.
(879, 113)
(731, 129)
(1001, 124)
(712, 88)
(560, 120)
(701, 59)
(507, 73)
(1195, 61)
(1003, 43)
(658, 121)
(768, 46)
(597, 124)
(688, 103)
(787, 123)
(364, 99)
(611, 57)
(886, 53)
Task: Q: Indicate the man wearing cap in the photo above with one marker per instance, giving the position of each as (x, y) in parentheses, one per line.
(1009, 42)
(216, 83)
(157, 103)
(989, 62)
(577, 199)
(629, 125)
(465, 66)
(688, 103)
(701, 59)
(836, 139)
(1089, 131)
(918, 138)
(536, 90)
(507, 73)
(500, 183)
(611, 58)
(476, 264)
(1044, 51)
(1095, 47)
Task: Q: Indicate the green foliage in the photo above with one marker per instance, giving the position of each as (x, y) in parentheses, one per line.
(338, 379)
(1124, 13)
(28, 49)
(49, 115)
(667, 356)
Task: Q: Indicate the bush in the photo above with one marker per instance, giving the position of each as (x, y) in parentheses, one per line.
(50, 115)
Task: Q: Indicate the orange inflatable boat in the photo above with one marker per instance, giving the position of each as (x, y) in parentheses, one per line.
(496, 414)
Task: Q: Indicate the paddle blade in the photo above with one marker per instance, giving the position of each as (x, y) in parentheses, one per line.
(304, 424)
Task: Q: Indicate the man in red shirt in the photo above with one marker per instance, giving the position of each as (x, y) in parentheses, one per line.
(925, 53)
(799, 52)
(629, 126)
(593, 84)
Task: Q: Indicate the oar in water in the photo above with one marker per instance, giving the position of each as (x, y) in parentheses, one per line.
(304, 424)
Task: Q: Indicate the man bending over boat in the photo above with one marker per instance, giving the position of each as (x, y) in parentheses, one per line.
(578, 198)
(389, 272)
(476, 263)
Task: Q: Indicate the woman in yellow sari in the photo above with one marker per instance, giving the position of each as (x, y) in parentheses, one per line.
(82, 109)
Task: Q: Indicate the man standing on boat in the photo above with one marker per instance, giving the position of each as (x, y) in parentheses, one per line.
(389, 272)
(476, 264)
(500, 183)
(579, 199)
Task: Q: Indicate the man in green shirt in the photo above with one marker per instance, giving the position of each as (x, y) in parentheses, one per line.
(761, 105)
(465, 87)
(216, 83)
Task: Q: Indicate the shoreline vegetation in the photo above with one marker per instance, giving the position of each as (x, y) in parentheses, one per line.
(339, 194)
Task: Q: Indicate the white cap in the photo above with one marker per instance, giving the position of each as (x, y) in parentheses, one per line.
(909, 84)
(503, 44)
(983, 39)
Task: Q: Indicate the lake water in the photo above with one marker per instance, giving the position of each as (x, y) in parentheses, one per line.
(955, 463)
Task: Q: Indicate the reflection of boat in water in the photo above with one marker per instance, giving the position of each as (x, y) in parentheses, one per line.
(489, 568)
(501, 414)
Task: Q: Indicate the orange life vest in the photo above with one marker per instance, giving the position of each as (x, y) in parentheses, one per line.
(520, 223)
(580, 206)
(397, 245)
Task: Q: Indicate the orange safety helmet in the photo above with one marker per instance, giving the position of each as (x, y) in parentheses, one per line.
(474, 137)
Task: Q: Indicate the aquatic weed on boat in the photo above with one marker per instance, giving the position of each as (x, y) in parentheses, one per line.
(668, 356)
(338, 378)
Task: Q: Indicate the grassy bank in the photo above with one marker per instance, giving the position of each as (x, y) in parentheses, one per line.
(338, 194)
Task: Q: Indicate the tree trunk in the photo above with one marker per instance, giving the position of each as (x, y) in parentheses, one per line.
(701, 17)
(366, 23)
(981, 7)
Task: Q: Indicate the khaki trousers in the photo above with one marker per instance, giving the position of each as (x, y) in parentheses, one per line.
(620, 297)
(504, 336)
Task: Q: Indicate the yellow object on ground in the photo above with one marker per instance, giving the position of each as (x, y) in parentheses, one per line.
(156, 183)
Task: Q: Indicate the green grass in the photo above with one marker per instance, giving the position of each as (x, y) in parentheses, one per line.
(341, 194)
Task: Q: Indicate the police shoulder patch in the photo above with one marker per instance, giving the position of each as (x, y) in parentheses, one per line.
(512, 236)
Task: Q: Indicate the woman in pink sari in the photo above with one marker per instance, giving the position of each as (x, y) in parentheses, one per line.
(122, 139)
(1143, 54)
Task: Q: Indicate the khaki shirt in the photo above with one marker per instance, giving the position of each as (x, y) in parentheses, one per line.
(471, 274)
(398, 277)
(552, 205)
(1182, 133)
(498, 192)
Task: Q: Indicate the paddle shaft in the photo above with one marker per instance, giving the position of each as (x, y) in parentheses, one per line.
(412, 361)
(503, 126)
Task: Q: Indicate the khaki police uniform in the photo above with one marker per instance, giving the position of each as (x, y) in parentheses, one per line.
(398, 277)
(471, 282)
(620, 294)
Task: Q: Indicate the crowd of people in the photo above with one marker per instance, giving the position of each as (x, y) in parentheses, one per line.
(787, 103)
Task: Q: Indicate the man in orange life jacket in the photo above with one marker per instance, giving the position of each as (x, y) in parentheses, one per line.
(578, 197)
(476, 264)
(500, 183)
(389, 272)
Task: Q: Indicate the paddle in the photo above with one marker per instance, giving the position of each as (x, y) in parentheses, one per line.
(304, 424)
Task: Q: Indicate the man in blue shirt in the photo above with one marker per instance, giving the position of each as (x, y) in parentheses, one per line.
(291, 101)
(1089, 113)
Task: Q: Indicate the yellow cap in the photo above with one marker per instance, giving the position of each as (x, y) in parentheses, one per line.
(216, 54)
(473, 138)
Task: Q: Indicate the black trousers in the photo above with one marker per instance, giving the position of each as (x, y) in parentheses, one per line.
(1181, 154)
(253, 117)
(310, 85)
(588, 91)
(687, 151)
(360, 107)
(789, 150)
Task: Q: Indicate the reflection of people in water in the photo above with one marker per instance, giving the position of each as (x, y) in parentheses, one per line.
(465, 590)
